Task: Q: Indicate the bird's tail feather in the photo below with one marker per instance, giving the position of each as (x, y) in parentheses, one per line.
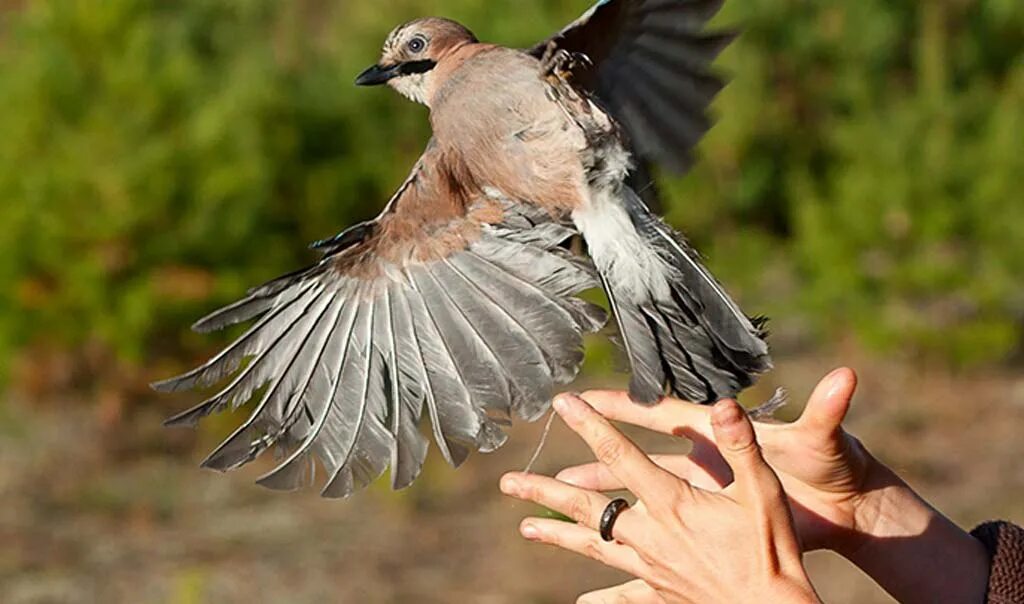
(688, 339)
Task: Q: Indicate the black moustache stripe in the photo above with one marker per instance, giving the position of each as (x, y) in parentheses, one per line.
(413, 67)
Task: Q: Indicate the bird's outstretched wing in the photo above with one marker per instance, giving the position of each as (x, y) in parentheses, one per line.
(651, 66)
(466, 308)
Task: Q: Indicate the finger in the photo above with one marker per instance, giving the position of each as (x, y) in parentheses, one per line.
(830, 402)
(738, 445)
(634, 592)
(597, 477)
(654, 486)
(673, 417)
(670, 416)
(583, 506)
(583, 541)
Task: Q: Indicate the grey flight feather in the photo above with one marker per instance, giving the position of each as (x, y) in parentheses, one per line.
(244, 445)
(231, 357)
(647, 381)
(273, 344)
(405, 406)
(367, 455)
(290, 473)
(352, 363)
(455, 422)
(527, 367)
(475, 362)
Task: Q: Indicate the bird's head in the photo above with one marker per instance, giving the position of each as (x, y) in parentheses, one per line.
(410, 54)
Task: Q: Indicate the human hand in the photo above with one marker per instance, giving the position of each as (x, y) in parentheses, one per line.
(841, 497)
(826, 473)
(684, 544)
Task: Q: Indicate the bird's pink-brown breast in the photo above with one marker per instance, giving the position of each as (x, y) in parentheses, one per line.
(498, 129)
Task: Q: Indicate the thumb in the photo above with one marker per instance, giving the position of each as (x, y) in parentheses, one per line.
(830, 402)
(737, 443)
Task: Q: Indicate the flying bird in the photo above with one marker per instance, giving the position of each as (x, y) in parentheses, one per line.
(460, 300)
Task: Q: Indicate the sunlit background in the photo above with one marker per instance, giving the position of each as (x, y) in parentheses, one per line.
(863, 187)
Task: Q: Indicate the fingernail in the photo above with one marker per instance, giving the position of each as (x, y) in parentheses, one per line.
(726, 413)
(530, 532)
(835, 381)
(564, 405)
(509, 485)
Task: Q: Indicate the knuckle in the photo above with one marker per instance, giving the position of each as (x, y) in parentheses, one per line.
(609, 450)
(579, 508)
(669, 500)
(660, 583)
(678, 494)
(593, 550)
(768, 493)
(552, 538)
(677, 502)
(529, 490)
(746, 447)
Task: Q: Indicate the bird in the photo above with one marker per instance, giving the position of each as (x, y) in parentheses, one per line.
(461, 301)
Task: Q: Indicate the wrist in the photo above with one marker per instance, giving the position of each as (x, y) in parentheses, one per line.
(909, 548)
(860, 514)
(886, 507)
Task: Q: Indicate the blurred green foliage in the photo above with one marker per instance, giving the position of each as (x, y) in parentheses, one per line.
(156, 158)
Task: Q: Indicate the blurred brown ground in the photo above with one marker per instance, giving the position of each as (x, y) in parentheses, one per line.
(90, 514)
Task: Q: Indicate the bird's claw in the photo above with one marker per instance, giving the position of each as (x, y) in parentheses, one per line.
(559, 65)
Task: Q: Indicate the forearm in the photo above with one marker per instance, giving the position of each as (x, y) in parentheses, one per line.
(913, 551)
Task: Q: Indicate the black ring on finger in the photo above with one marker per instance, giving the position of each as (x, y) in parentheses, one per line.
(610, 515)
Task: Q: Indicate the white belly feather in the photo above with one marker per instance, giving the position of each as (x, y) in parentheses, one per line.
(619, 251)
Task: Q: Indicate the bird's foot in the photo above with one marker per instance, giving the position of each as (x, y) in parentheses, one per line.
(557, 69)
(559, 65)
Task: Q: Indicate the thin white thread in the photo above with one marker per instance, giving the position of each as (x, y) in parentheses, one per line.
(540, 445)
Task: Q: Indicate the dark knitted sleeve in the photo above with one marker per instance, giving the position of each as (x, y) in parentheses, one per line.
(1005, 545)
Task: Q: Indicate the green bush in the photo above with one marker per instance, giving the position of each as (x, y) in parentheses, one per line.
(157, 158)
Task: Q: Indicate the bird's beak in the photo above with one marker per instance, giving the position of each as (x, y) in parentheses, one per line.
(377, 75)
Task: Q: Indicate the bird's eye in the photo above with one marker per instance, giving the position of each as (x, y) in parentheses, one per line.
(417, 44)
